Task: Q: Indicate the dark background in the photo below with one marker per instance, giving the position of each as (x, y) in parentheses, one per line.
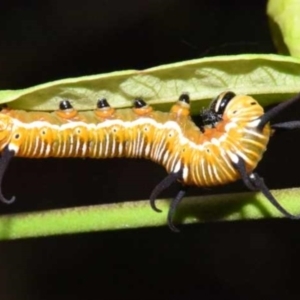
(48, 40)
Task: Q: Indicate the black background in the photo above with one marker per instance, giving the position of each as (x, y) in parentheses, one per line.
(47, 40)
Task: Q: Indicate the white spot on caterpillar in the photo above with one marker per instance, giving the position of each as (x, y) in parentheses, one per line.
(219, 101)
(77, 148)
(215, 141)
(216, 173)
(177, 167)
(223, 137)
(95, 146)
(174, 161)
(228, 163)
(129, 148)
(13, 147)
(138, 143)
(64, 146)
(254, 123)
(147, 150)
(209, 172)
(120, 148)
(229, 126)
(254, 133)
(42, 148)
(166, 156)
(48, 149)
(185, 173)
(36, 146)
(71, 139)
(202, 163)
(113, 147)
(233, 157)
(58, 148)
(161, 151)
(158, 149)
(84, 148)
(107, 142)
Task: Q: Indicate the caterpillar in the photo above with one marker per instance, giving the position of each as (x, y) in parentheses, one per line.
(225, 146)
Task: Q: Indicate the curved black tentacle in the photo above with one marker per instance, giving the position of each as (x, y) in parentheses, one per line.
(254, 182)
(165, 183)
(241, 167)
(275, 111)
(261, 186)
(6, 156)
(173, 207)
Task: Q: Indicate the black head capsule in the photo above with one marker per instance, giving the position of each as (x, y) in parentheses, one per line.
(208, 118)
(65, 104)
(184, 97)
(213, 115)
(139, 103)
(102, 103)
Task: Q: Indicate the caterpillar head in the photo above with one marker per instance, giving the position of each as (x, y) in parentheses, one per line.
(231, 107)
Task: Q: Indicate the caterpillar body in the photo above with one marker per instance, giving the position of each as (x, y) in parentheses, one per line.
(226, 146)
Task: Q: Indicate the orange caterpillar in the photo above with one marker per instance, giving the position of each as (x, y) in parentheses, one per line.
(226, 146)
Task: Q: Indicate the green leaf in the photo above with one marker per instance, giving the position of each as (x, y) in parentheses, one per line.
(269, 78)
(137, 214)
(285, 25)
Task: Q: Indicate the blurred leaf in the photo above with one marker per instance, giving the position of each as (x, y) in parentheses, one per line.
(285, 25)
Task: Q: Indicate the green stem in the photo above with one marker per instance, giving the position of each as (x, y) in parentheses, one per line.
(137, 214)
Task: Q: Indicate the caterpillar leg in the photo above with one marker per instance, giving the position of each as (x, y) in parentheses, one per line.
(254, 182)
(173, 208)
(164, 184)
(6, 157)
(269, 115)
